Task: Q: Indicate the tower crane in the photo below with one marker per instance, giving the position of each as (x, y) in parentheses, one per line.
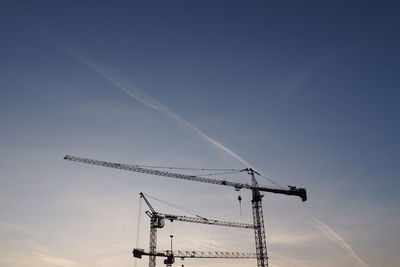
(157, 220)
(259, 230)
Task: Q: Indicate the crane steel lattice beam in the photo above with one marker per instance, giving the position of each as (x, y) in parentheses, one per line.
(301, 192)
(154, 224)
(182, 218)
(204, 221)
(258, 219)
(138, 253)
(214, 254)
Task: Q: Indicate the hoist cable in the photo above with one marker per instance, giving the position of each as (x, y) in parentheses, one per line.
(273, 182)
(171, 205)
(218, 173)
(184, 168)
(129, 179)
(182, 209)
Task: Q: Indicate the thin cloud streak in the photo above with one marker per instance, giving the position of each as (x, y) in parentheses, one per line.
(150, 102)
(140, 96)
(203, 243)
(296, 263)
(56, 261)
(335, 237)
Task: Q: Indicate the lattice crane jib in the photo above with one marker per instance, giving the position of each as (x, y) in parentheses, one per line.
(300, 192)
(138, 253)
(171, 255)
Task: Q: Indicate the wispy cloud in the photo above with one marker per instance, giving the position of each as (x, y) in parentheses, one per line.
(205, 243)
(290, 238)
(55, 261)
(147, 100)
(286, 259)
(335, 237)
(13, 227)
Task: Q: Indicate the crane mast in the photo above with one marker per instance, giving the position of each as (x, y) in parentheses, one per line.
(258, 220)
(155, 222)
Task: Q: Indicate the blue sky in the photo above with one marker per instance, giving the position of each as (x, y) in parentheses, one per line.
(305, 92)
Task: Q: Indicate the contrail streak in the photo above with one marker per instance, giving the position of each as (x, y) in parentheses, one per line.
(140, 96)
(295, 262)
(335, 237)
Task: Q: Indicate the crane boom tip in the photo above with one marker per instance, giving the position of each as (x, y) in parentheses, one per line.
(303, 194)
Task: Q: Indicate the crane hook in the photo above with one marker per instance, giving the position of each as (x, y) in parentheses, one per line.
(240, 204)
(237, 189)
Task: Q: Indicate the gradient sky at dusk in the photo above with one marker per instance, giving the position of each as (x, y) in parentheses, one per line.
(306, 92)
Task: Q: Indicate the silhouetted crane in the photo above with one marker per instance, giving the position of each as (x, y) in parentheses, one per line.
(258, 219)
(157, 220)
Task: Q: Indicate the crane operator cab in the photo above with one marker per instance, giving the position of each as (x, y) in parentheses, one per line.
(159, 222)
(169, 260)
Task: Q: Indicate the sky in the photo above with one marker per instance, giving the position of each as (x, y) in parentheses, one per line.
(305, 92)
